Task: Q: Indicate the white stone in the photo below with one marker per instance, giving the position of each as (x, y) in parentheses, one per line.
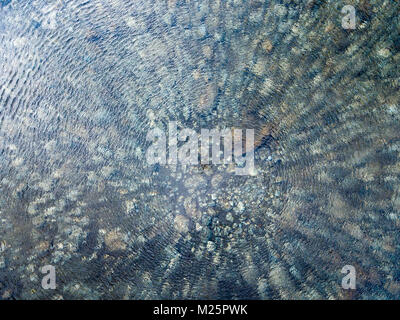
(181, 223)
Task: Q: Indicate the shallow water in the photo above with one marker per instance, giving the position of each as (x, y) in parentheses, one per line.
(83, 82)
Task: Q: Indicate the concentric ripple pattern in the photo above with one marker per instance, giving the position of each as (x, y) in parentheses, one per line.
(83, 82)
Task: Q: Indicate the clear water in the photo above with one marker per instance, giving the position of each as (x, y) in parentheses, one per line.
(83, 82)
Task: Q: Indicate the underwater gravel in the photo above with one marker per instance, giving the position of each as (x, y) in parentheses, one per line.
(81, 84)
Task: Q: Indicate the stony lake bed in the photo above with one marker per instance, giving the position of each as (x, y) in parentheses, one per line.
(83, 82)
